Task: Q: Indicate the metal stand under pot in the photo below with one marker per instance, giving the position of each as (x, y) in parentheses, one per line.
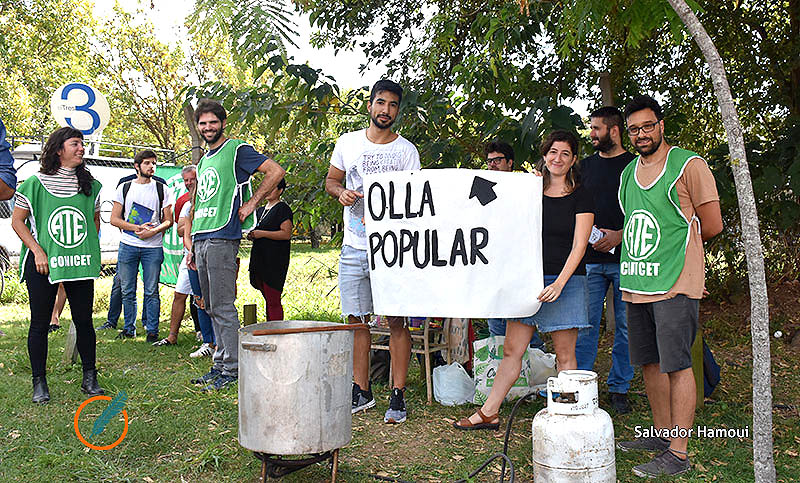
(295, 381)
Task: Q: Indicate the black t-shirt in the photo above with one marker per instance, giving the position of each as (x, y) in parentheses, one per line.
(558, 228)
(601, 176)
(269, 259)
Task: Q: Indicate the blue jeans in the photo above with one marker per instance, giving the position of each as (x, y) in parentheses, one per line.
(203, 320)
(115, 303)
(498, 327)
(128, 260)
(599, 276)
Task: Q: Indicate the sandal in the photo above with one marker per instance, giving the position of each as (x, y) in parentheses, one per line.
(486, 422)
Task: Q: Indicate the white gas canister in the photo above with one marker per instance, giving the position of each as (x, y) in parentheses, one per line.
(573, 439)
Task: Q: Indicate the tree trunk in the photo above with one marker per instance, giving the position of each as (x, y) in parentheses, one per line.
(197, 141)
(763, 461)
(315, 238)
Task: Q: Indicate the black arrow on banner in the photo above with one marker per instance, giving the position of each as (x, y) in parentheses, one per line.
(483, 189)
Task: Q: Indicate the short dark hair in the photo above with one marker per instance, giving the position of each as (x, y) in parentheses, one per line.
(643, 102)
(386, 85)
(142, 155)
(282, 184)
(611, 117)
(212, 106)
(498, 146)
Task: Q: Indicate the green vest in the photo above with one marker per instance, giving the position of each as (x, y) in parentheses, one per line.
(64, 228)
(217, 188)
(655, 233)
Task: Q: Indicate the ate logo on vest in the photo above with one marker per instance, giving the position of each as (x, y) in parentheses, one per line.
(208, 184)
(642, 235)
(67, 226)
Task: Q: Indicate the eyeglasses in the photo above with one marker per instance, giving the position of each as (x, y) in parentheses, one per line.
(647, 127)
(495, 160)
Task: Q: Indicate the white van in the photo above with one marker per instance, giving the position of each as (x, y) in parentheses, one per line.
(106, 169)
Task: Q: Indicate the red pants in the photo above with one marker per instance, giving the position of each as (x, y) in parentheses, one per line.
(273, 300)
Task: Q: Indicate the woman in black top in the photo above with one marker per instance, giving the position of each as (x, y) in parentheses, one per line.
(567, 217)
(269, 259)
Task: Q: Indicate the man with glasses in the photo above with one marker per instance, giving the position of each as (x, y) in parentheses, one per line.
(671, 206)
(600, 173)
(500, 157)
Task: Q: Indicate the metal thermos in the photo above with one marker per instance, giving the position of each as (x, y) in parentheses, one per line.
(573, 439)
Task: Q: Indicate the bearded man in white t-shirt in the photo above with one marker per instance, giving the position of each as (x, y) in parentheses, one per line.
(143, 211)
(375, 149)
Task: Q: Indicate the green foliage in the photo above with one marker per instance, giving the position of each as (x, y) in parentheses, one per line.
(143, 79)
(42, 46)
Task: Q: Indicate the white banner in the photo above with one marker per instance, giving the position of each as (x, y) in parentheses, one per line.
(454, 243)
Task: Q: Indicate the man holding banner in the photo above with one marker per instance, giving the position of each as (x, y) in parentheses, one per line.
(375, 149)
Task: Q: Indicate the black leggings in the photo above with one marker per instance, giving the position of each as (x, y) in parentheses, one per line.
(42, 297)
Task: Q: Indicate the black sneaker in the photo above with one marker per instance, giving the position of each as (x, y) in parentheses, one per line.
(220, 383)
(619, 401)
(107, 325)
(53, 328)
(665, 464)
(397, 408)
(126, 335)
(651, 443)
(362, 400)
(152, 337)
(207, 377)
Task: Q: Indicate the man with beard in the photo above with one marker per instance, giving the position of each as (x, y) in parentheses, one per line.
(600, 173)
(222, 209)
(671, 206)
(143, 211)
(375, 149)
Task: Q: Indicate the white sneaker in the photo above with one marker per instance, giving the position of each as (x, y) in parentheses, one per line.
(199, 336)
(205, 350)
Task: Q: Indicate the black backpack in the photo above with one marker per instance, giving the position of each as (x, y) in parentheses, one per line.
(159, 189)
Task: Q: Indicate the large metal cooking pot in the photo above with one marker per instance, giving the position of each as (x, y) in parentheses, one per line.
(295, 389)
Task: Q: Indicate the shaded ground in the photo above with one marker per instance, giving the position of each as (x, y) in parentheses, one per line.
(177, 433)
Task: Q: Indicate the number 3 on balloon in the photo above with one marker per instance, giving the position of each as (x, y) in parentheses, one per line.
(84, 108)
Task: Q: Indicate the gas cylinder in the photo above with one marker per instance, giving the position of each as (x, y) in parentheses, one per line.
(573, 439)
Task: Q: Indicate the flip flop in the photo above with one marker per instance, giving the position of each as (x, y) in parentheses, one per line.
(486, 422)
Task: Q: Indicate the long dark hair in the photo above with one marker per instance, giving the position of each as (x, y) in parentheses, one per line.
(573, 178)
(50, 161)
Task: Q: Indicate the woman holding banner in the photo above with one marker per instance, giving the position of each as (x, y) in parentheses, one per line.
(567, 217)
(53, 215)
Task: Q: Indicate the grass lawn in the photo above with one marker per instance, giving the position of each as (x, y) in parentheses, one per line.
(177, 433)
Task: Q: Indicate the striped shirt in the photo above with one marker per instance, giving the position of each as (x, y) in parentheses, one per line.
(63, 183)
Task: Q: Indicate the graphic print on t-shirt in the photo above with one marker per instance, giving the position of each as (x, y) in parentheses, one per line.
(371, 162)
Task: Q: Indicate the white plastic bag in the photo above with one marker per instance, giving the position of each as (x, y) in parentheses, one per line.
(543, 365)
(452, 385)
(487, 356)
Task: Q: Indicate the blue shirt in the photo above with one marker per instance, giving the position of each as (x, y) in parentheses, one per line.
(247, 162)
(7, 172)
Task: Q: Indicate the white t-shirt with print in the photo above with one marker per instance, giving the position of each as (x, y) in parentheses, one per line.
(358, 156)
(143, 195)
